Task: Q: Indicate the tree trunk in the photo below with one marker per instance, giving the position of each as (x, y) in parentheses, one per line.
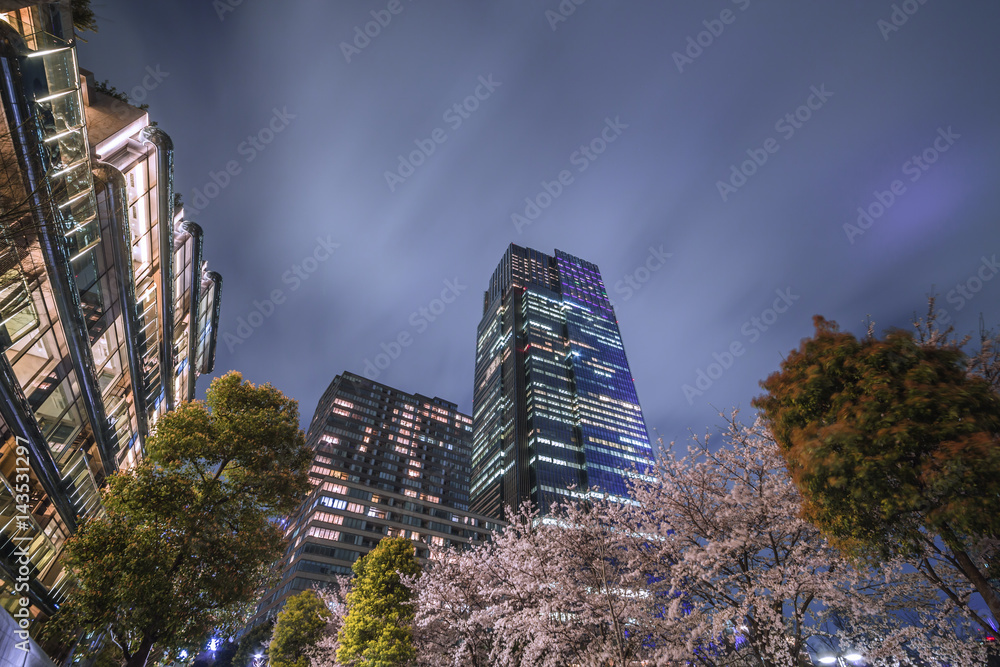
(981, 583)
(138, 658)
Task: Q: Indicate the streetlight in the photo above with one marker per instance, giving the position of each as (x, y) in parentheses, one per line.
(258, 660)
(841, 660)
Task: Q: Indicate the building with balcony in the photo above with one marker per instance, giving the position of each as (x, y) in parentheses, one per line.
(387, 463)
(108, 312)
(556, 414)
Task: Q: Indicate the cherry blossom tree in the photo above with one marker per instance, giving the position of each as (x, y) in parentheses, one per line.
(454, 622)
(750, 582)
(746, 579)
(546, 592)
(324, 652)
(711, 563)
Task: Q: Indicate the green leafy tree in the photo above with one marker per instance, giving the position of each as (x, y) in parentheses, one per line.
(83, 16)
(189, 535)
(378, 628)
(300, 625)
(894, 445)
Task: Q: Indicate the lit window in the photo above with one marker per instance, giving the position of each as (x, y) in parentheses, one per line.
(326, 517)
(324, 533)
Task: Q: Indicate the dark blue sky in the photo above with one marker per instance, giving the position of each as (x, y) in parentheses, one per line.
(830, 101)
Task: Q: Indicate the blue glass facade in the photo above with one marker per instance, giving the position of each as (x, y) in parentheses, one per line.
(555, 408)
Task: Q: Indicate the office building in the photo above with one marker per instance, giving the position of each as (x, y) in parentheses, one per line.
(108, 312)
(387, 463)
(555, 409)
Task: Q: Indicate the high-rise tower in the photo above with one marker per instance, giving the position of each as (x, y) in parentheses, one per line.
(555, 406)
(387, 464)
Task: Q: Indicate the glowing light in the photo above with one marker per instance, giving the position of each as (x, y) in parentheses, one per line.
(74, 199)
(55, 96)
(854, 657)
(37, 54)
(85, 250)
(828, 660)
(62, 134)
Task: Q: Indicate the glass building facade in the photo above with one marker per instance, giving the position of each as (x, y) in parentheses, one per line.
(107, 310)
(555, 408)
(387, 464)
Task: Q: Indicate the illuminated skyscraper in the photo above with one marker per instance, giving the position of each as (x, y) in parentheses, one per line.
(555, 406)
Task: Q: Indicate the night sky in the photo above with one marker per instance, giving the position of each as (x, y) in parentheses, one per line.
(706, 155)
